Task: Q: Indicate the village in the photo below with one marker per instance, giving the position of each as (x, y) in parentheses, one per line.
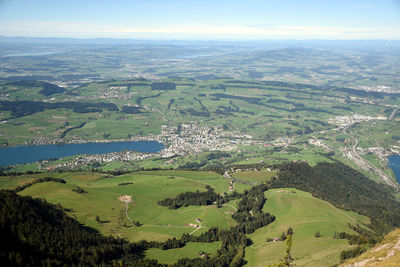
(182, 140)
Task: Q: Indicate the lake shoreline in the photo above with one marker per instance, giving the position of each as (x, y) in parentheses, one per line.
(12, 155)
(394, 165)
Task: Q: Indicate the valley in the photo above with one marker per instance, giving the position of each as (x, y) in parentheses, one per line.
(267, 156)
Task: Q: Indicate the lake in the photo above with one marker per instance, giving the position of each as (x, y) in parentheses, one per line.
(394, 164)
(28, 154)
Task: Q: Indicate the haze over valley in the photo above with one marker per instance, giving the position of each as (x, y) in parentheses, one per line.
(235, 138)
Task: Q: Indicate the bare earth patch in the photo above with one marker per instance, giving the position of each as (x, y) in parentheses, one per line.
(389, 250)
(125, 198)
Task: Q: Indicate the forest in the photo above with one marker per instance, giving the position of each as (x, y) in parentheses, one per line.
(42, 234)
(25, 107)
(344, 187)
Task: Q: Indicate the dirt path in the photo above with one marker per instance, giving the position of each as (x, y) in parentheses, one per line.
(198, 227)
(126, 199)
(126, 212)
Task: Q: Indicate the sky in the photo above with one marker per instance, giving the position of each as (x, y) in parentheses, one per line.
(202, 19)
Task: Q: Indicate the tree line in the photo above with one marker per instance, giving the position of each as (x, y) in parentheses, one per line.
(344, 187)
(39, 233)
(26, 107)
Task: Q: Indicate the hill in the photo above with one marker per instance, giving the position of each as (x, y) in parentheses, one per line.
(306, 215)
(39, 233)
(128, 206)
(384, 254)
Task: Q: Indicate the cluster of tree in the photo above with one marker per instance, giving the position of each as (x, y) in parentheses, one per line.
(282, 101)
(204, 77)
(253, 74)
(191, 198)
(343, 108)
(131, 110)
(352, 252)
(191, 111)
(344, 187)
(217, 155)
(171, 101)
(248, 99)
(287, 260)
(79, 190)
(64, 133)
(242, 82)
(249, 215)
(362, 93)
(39, 233)
(219, 87)
(141, 98)
(40, 180)
(192, 165)
(200, 103)
(15, 80)
(50, 89)
(318, 122)
(363, 236)
(163, 86)
(258, 101)
(127, 183)
(26, 107)
(227, 111)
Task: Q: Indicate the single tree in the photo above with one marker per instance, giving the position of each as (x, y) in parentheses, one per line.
(317, 234)
(283, 237)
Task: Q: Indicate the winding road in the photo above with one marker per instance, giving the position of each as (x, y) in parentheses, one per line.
(361, 162)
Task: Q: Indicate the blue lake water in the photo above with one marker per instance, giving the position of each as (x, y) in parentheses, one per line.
(394, 164)
(27, 154)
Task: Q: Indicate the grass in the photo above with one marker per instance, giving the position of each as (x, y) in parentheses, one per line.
(292, 208)
(381, 254)
(191, 250)
(254, 176)
(159, 223)
(306, 215)
(258, 122)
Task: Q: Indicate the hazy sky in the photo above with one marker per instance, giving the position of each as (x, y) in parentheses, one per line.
(202, 19)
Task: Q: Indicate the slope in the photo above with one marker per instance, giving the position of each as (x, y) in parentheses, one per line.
(305, 215)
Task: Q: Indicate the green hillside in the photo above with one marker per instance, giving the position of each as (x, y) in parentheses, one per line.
(158, 222)
(305, 215)
(98, 206)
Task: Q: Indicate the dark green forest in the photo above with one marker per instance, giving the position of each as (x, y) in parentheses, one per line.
(344, 187)
(42, 234)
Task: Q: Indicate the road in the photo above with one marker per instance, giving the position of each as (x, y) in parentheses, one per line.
(393, 114)
(361, 162)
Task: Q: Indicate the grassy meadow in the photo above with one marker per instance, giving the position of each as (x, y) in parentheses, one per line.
(292, 208)
(305, 215)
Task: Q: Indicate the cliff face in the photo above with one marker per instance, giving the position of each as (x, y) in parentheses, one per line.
(385, 254)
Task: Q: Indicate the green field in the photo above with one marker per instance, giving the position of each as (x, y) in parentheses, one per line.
(190, 250)
(279, 118)
(306, 215)
(292, 208)
(159, 223)
(254, 176)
